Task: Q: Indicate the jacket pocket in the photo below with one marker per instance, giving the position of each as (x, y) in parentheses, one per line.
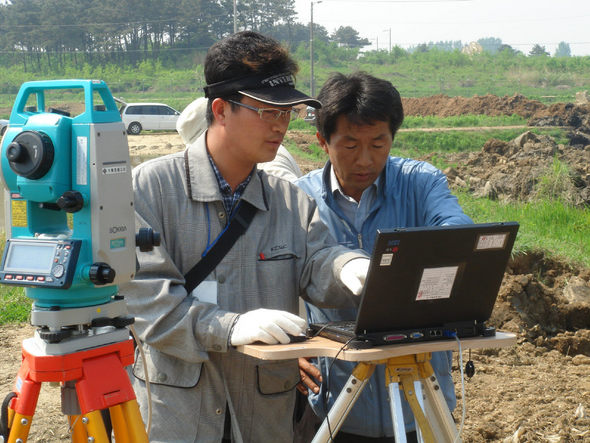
(277, 377)
(166, 370)
(277, 253)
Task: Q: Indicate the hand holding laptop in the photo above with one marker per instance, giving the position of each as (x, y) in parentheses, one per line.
(353, 274)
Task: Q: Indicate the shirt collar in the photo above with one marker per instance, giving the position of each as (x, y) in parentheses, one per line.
(230, 199)
(337, 189)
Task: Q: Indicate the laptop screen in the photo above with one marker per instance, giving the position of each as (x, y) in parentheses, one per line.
(430, 276)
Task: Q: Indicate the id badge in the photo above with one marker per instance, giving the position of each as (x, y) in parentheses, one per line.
(206, 292)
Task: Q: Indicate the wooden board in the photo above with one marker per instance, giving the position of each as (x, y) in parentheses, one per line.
(322, 347)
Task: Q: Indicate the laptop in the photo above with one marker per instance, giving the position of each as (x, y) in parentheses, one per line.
(428, 283)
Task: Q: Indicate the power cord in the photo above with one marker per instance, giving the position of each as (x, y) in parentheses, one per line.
(146, 376)
(327, 390)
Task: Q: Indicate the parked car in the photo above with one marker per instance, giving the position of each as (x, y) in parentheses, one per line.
(3, 126)
(309, 115)
(148, 116)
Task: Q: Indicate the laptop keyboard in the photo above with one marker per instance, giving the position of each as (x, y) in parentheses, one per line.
(345, 325)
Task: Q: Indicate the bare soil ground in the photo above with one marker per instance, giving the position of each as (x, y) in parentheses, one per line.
(538, 391)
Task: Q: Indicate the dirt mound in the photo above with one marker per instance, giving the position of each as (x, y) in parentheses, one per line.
(576, 116)
(546, 302)
(563, 114)
(444, 106)
(524, 168)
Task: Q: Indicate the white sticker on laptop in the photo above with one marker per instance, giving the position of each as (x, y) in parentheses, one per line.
(386, 259)
(437, 283)
(491, 241)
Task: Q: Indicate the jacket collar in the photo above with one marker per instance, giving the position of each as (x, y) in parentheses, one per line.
(202, 183)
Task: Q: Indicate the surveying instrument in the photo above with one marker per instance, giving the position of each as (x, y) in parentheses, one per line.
(70, 241)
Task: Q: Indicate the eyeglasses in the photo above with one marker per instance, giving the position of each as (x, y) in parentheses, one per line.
(269, 114)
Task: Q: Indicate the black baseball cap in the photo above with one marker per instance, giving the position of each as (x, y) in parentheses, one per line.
(274, 89)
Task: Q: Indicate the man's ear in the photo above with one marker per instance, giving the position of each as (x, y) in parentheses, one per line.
(219, 108)
(322, 141)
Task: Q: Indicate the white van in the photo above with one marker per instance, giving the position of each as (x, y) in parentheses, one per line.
(148, 116)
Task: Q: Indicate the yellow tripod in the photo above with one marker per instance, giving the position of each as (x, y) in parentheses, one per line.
(411, 374)
(92, 380)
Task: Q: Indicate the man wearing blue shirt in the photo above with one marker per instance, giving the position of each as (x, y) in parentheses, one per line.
(361, 189)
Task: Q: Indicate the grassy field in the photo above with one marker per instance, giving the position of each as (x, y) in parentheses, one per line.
(417, 143)
(418, 74)
(462, 121)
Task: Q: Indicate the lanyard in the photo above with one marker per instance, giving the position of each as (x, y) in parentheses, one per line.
(209, 243)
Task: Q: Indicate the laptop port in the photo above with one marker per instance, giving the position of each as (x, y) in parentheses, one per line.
(435, 333)
(416, 335)
(394, 337)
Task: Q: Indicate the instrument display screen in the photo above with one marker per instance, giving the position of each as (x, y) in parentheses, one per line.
(30, 256)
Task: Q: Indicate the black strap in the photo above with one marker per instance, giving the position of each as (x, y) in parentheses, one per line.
(238, 225)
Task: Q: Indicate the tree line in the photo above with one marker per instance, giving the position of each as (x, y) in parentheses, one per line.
(53, 33)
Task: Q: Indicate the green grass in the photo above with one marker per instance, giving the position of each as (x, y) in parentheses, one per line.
(459, 121)
(462, 121)
(420, 142)
(553, 226)
(312, 153)
(301, 125)
(14, 305)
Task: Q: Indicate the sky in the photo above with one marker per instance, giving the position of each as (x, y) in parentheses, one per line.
(518, 23)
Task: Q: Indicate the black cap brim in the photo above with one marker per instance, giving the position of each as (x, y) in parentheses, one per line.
(281, 96)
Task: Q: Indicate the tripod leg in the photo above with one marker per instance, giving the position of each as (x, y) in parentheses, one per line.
(397, 415)
(20, 428)
(438, 412)
(407, 382)
(21, 408)
(77, 429)
(345, 401)
(420, 398)
(119, 425)
(129, 420)
(95, 427)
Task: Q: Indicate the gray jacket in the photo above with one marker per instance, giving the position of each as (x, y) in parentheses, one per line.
(287, 252)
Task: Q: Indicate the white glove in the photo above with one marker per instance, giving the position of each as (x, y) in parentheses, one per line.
(353, 274)
(270, 326)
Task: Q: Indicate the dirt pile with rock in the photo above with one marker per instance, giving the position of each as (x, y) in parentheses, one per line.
(522, 169)
(547, 303)
(563, 114)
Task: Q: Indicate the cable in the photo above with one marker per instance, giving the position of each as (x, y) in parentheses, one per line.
(327, 390)
(146, 376)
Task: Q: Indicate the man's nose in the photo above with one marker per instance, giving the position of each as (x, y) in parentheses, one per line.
(364, 157)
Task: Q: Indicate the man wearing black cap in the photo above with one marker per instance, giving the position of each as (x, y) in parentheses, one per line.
(202, 389)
